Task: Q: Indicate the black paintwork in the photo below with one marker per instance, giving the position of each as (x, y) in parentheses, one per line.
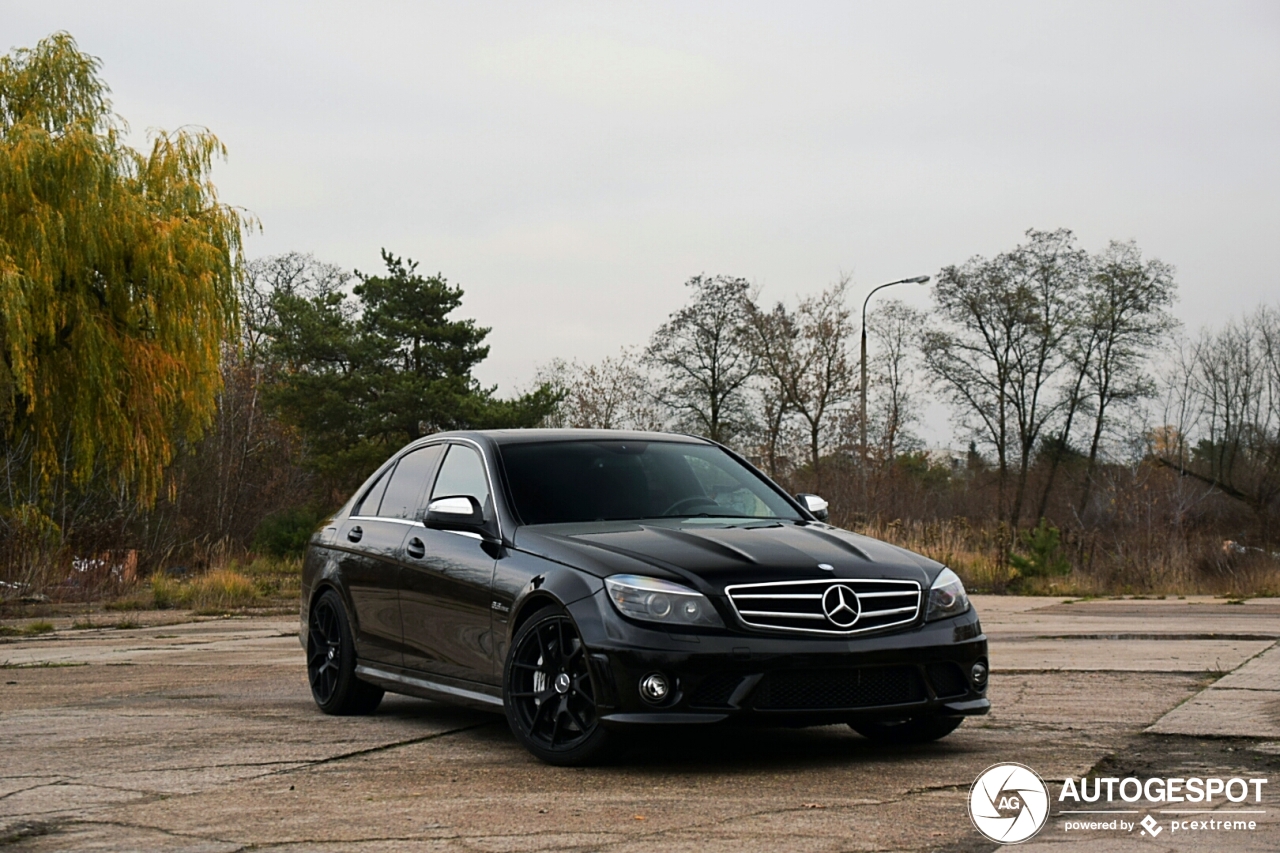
(433, 611)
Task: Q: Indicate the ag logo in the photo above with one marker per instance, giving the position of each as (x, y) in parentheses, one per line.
(1008, 803)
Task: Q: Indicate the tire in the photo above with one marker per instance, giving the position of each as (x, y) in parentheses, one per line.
(916, 730)
(331, 661)
(549, 695)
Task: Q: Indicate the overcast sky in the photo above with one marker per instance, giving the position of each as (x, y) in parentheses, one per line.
(571, 165)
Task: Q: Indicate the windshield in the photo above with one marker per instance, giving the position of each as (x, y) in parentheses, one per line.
(573, 481)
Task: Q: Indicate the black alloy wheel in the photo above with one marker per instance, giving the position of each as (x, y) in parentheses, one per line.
(549, 697)
(915, 730)
(331, 661)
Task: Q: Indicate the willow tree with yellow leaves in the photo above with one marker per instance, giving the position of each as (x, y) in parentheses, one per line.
(118, 272)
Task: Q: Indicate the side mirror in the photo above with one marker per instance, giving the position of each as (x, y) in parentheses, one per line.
(817, 506)
(455, 512)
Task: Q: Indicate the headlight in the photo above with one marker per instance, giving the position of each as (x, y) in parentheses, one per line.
(946, 597)
(656, 600)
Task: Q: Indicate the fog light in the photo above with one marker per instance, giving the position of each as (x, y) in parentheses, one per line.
(654, 687)
(979, 674)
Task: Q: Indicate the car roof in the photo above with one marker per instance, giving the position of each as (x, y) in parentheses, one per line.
(528, 436)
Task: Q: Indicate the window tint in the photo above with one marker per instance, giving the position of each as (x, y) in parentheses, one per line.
(725, 489)
(575, 481)
(408, 482)
(373, 497)
(462, 474)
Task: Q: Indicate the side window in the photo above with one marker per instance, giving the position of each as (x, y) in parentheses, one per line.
(408, 481)
(462, 474)
(373, 497)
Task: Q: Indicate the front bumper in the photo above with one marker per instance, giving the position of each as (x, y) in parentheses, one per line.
(925, 670)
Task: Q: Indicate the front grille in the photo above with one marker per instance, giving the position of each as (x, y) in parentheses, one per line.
(947, 679)
(834, 689)
(799, 605)
(714, 690)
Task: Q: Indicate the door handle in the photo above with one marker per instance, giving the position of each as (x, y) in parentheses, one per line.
(415, 548)
(355, 533)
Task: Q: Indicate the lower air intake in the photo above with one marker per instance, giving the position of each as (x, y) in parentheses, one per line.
(835, 689)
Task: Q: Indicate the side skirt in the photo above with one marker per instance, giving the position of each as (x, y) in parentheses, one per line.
(424, 688)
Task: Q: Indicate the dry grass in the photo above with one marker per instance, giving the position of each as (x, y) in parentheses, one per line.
(972, 552)
(1101, 564)
(219, 590)
(262, 582)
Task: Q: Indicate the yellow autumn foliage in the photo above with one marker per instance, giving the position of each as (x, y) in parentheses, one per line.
(118, 273)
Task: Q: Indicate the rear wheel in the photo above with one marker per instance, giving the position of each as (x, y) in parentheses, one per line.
(548, 692)
(331, 661)
(915, 730)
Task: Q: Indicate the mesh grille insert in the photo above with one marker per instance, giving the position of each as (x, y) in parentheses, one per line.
(714, 690)
(827, 689)
(947, 679)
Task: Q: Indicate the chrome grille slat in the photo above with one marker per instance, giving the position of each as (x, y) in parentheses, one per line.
(882, 604)
(893, 612)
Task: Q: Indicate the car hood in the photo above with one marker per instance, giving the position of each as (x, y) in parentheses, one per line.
(712, 556)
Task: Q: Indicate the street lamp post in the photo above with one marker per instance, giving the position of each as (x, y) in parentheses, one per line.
(862, 421)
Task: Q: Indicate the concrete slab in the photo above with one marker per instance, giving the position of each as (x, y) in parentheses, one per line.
(1260, 673)
(1198, 617)
(203, 737)
(1245, 703)
(1216, 656)
(1224, 713)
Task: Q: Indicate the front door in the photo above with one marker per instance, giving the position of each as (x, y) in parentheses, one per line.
(445, 582)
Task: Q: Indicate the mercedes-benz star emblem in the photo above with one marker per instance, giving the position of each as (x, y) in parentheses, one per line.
(840, 604)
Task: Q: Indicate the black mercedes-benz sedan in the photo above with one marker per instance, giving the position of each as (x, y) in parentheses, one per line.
(584, 582)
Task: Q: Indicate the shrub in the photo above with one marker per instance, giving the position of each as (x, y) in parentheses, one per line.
(1045, 557)
(285, 534)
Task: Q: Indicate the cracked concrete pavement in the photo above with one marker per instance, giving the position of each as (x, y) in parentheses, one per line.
(203, 737)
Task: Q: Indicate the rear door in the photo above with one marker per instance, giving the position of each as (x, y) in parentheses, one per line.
(375, 534)
(445, 582)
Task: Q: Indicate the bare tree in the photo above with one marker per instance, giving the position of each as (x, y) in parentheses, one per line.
(894, 329)
(704, 355)
(614, 393)
(824, 386)
(773, 335)
(805, 355)
(1226, 391)
(1126, 318)
(1001, 345)
(267, 280)
(248, 462)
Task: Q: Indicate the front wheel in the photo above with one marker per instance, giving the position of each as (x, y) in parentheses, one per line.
(549, 697)
(331, 661)
(915, 730)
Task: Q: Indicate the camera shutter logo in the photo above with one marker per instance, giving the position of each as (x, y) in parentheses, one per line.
(1008, 803)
